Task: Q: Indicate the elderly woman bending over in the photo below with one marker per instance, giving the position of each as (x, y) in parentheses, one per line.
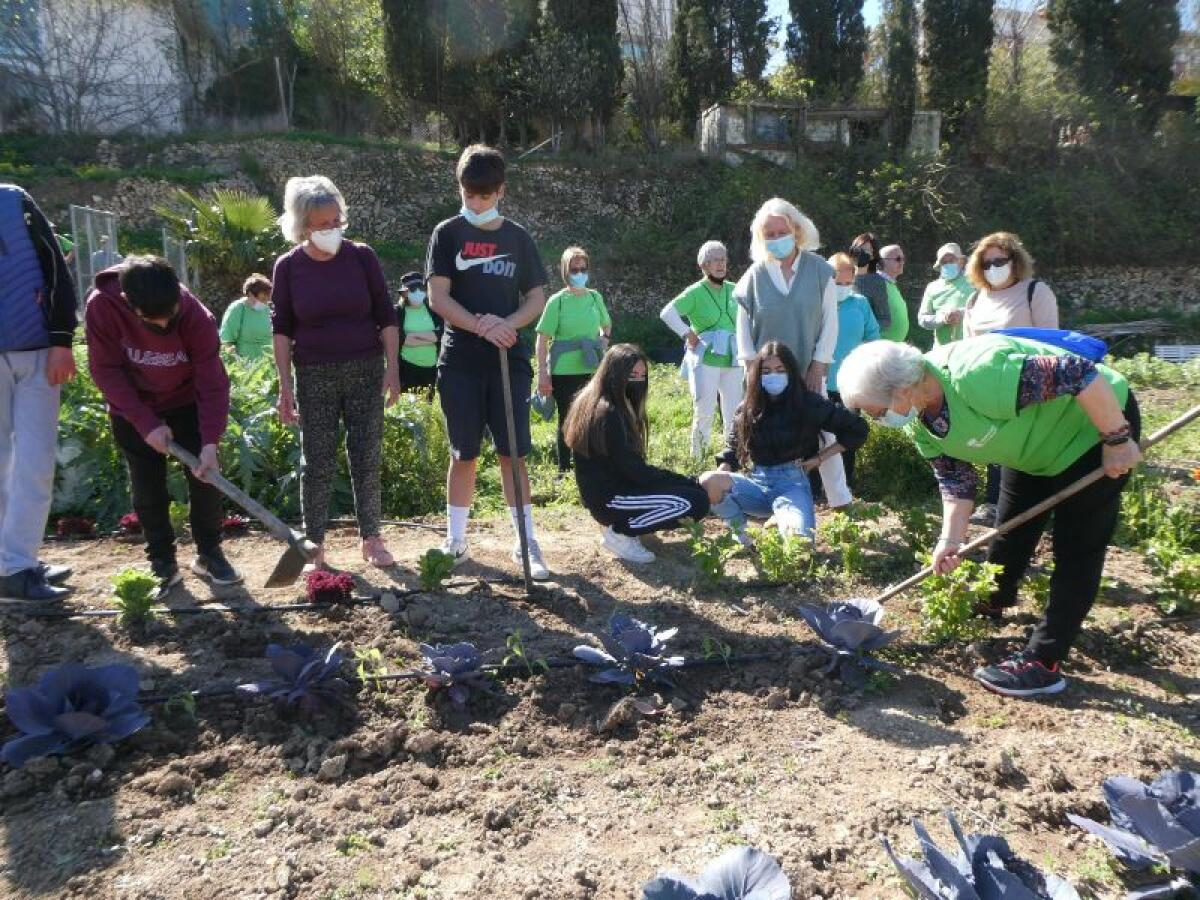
(334, 317)
(1047, 417)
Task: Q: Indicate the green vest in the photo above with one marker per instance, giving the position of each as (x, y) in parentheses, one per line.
(942, 294)
(981, 379)
(898, 330)
(416, 320)
(707, 308)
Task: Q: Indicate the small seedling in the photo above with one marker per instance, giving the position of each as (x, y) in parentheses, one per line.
(517, 655)
(178, 514)
(1178, 571)
(435, 568)
(134, 593)
(784, 557)
(369, 666)
(711, 555)
(1037, 587)
(848, 536)
(712, 649)
(182, 705)
(948, 602)
(919, 530)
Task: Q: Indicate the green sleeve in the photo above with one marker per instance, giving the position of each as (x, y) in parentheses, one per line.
(986, 374)
(685, 304)
(548, 323)
(231, 324)
(605, 318)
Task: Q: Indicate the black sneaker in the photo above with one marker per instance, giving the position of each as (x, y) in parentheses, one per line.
(54, 574)
(30, 584)
(167, 573)
(1021, 675)
(216, 568)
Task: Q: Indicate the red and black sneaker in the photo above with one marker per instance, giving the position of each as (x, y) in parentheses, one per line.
(1021, 675)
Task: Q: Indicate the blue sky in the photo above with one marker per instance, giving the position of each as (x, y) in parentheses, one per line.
(872, 11)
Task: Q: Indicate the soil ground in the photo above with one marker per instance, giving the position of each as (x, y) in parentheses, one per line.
(524, 794)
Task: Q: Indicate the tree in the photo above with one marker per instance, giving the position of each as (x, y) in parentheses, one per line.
(592, 27)
(645, 27)
(90, 65)
(1014, 23)
(958, 44)
(827, 40)
(1119, 53)
(699, 65)
(344, 39)
(900, 28)
(751, 30)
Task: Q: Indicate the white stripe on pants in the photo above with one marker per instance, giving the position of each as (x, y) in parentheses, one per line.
(658, 508)
(28, 441)
(711, 382)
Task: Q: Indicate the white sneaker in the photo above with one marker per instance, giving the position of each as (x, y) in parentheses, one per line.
(626, 547)
(537, 565)
(457, 549)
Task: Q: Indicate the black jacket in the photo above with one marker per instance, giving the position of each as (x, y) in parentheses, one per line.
(622, 470)
(60, 286)
(790, 430)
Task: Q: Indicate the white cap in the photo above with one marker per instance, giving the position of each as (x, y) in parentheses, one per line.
(944, 249)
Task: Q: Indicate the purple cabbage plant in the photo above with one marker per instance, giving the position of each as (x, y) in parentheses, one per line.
(306, 677)
(456, 667)
(71, 707)
(742, 873)
(633, 652)
(983, 869)
(1154, 826)
(850, 631)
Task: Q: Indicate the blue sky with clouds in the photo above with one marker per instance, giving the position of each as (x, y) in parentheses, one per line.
(872, 10)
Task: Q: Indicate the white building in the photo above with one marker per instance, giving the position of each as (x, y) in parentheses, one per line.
(645, 23)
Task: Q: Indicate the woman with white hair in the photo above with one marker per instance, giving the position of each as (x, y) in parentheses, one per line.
(334, 318)
(705, 316)
(789, 294)
(1047, 417)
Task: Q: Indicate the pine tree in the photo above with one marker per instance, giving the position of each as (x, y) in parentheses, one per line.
(900, 24)
(1116, 51)
(958, 44)
(827, 40)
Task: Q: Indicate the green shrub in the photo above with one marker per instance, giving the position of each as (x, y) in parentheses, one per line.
(784, 558)
(948, 602)
(889, 469)
(134, 593)
(1178, 570)
(711, 555)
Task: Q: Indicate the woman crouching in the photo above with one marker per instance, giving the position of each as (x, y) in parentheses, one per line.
(608, 431)
(777, 427)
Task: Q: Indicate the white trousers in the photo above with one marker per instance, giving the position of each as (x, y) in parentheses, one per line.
(709, 383)
(28, 442)
(833, 473)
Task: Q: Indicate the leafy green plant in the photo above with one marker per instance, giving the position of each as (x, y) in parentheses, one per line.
(434, 568)
(134, 593)
(182, 705)
(948, 602)
(848, 537)
(1144, 507)
(369, 665)
(1037, 586)
(711, 555)
(1178, 571)
(178, 513)
(518, 655)
(783, 557)
(712, 649)
(919, 529)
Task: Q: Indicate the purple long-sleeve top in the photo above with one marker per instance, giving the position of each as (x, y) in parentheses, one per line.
(334, 310)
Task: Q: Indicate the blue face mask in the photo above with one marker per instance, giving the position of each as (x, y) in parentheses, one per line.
(578, 279)
(950, 271)
(893, 419)
(775, 383)
(416, 297)
(782, 247)
(477, 219)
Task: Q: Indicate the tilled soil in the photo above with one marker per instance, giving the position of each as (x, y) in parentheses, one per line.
(551, 788)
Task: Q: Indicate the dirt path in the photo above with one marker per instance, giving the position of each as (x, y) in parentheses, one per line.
(522, 795)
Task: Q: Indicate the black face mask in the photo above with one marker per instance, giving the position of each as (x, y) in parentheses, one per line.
(862, 256)
(635, 391)
(716, 279)
(162, 329)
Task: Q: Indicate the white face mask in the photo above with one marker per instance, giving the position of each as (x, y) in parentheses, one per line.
(998, 275)
(328, 240)
(843, 291)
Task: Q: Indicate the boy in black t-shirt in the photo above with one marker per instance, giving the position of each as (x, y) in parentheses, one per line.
(486, 280)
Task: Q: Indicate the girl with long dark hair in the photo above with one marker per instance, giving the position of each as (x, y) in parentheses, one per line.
(778, 426)
(608, 431)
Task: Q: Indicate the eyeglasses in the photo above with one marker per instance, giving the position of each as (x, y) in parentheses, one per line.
(995, 263)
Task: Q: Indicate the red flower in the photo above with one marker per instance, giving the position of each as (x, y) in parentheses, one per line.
(130, 523)
(329, 587)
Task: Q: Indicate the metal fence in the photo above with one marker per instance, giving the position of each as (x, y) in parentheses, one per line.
(175, 252)
(95, 234)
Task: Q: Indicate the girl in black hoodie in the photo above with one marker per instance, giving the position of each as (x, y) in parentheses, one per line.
(778, 426)
(608, 431)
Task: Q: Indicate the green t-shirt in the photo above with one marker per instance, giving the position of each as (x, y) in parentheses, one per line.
(707, 308)
(981, 379)
(942, 294)
(898, 330)
(568, 317)
(416, 320)
(249, 330)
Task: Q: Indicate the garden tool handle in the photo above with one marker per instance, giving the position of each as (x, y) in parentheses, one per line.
(1034, 511)
(273, 523)
(514, 457)
(814, 461)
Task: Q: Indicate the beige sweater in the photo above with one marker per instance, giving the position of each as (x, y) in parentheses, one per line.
(1011, 308)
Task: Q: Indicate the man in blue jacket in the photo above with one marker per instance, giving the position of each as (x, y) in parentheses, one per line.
(37, 325)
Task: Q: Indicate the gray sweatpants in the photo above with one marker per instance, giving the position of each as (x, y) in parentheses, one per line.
(28, 443)
(329, 395)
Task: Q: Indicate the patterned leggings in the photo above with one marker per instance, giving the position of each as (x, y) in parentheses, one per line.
(329, 395)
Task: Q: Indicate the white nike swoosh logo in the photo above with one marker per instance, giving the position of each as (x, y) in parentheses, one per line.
(980, 441)
(463, 264)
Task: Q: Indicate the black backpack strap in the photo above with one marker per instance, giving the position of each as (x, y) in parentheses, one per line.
(1033, 283)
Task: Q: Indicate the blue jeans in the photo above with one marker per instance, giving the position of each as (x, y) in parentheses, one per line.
(782, 491)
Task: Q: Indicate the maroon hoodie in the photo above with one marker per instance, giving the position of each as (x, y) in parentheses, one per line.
(142, 374)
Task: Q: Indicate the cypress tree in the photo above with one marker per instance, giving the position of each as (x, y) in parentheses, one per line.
(958, 43)
(827, 41)
(900, 26)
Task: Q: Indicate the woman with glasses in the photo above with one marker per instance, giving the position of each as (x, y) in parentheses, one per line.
(1006, 296)
(572, 335)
